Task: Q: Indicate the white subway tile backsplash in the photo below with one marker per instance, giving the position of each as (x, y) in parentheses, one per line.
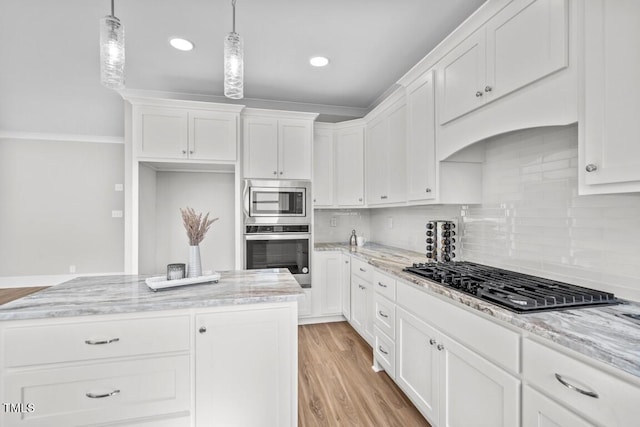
(532, 219)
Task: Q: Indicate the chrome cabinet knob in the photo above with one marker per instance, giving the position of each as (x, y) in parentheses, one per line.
(440, 347)
(275, 173)
(184, 151)
(360, 199)
(202, 329)
(432, 341)
(314, 200)
(428, 190)
(280, 172)
(591, 167)
(488, 88)
(478, 94)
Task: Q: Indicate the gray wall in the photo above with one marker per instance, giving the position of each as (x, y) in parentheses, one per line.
(56, 200)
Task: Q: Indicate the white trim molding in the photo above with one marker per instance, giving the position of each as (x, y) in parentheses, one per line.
(60, 137)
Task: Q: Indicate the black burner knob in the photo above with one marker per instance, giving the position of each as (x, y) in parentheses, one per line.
(446, 234)
(430, 226)
(429, 255)
(429, 233)
(446, 226)
(429, 240)
(447, 257)
(429, 248)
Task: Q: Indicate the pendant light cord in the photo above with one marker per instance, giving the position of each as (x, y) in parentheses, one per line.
(112, 12)
(233, 5)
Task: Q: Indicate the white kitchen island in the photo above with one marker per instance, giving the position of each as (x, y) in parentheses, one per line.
(109, 351)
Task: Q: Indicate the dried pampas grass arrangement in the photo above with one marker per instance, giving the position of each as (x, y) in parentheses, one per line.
(196, 225)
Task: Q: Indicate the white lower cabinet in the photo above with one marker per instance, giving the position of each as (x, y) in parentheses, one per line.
(362, 307)
(140, 369)
(326, 298)
(246, 368)
(451, 385)
(540, 411)
(346, 286)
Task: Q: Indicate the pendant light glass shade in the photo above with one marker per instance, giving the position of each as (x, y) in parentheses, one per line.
(111, 52)
(233, 62)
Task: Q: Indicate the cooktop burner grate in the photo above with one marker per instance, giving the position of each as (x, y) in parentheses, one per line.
(518, 292)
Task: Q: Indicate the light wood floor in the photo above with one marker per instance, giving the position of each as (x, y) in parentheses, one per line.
(9, 294)
(337, 387)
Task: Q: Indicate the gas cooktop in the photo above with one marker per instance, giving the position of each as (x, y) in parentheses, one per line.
(517, 292)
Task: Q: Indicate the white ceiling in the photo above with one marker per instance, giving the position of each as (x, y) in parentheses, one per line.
(49, 69)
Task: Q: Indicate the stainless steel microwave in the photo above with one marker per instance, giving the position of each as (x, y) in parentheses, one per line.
(276, 202)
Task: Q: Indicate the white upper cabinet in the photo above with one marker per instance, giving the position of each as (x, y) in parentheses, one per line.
(462, 78)
(350, 166)
(524, 42)
(323, 167)
(386, 155)
(277, 145)
(609, 126)
(421, 143)
(164, 132)
(212, 135)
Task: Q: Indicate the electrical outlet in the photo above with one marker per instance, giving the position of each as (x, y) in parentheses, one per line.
(119, 187)
(72, 269)
(116, 214)
(333, 222)
(390, 222)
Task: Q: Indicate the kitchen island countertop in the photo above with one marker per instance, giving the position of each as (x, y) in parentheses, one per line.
(97, 295)
(603, 333)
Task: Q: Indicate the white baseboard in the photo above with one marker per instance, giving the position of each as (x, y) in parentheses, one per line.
(320, 319)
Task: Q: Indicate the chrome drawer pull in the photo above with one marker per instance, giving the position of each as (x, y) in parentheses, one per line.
(363, 270)
(92, 342)
(579, 390)
(382, 284)
(382, 314)
(100, 396)
(382, 350)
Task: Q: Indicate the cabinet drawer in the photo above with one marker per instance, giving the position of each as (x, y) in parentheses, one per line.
(385, 315)
(384, 352)
(617, 401)
(60, 396)
(384, 285)
(67, 342)
(362, 269)
(498, 344)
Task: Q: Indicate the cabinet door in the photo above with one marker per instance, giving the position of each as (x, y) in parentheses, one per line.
(473, 391)
(421, 145)
(294, 145)
(212, 135)
(346, 286)
(260, 148)
(328, 267)
(369, 306)
(162, 132)
(526, 41)
(246, 369)
(540, 411)
(350, 167)
(417, 363)
(609, 137)
(461, 80)
(323, 167)
(360, 317)
(396, 156)
(377, 162)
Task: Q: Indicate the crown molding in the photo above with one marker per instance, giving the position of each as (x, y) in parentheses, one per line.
(60, 137)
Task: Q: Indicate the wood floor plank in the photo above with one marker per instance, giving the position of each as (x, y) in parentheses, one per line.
(337, 387)
(10, 294)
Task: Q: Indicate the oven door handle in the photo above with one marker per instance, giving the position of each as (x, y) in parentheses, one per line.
(291, 236)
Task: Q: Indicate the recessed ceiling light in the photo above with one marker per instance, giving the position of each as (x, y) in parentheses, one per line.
(319, 61)
(181, 44)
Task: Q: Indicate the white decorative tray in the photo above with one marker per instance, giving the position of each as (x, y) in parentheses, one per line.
(161, 282)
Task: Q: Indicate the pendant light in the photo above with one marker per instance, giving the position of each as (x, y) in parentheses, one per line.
(233, 62)
(111, 51)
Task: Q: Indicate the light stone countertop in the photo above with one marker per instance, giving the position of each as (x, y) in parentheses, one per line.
(602, 333)
(98, 295)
